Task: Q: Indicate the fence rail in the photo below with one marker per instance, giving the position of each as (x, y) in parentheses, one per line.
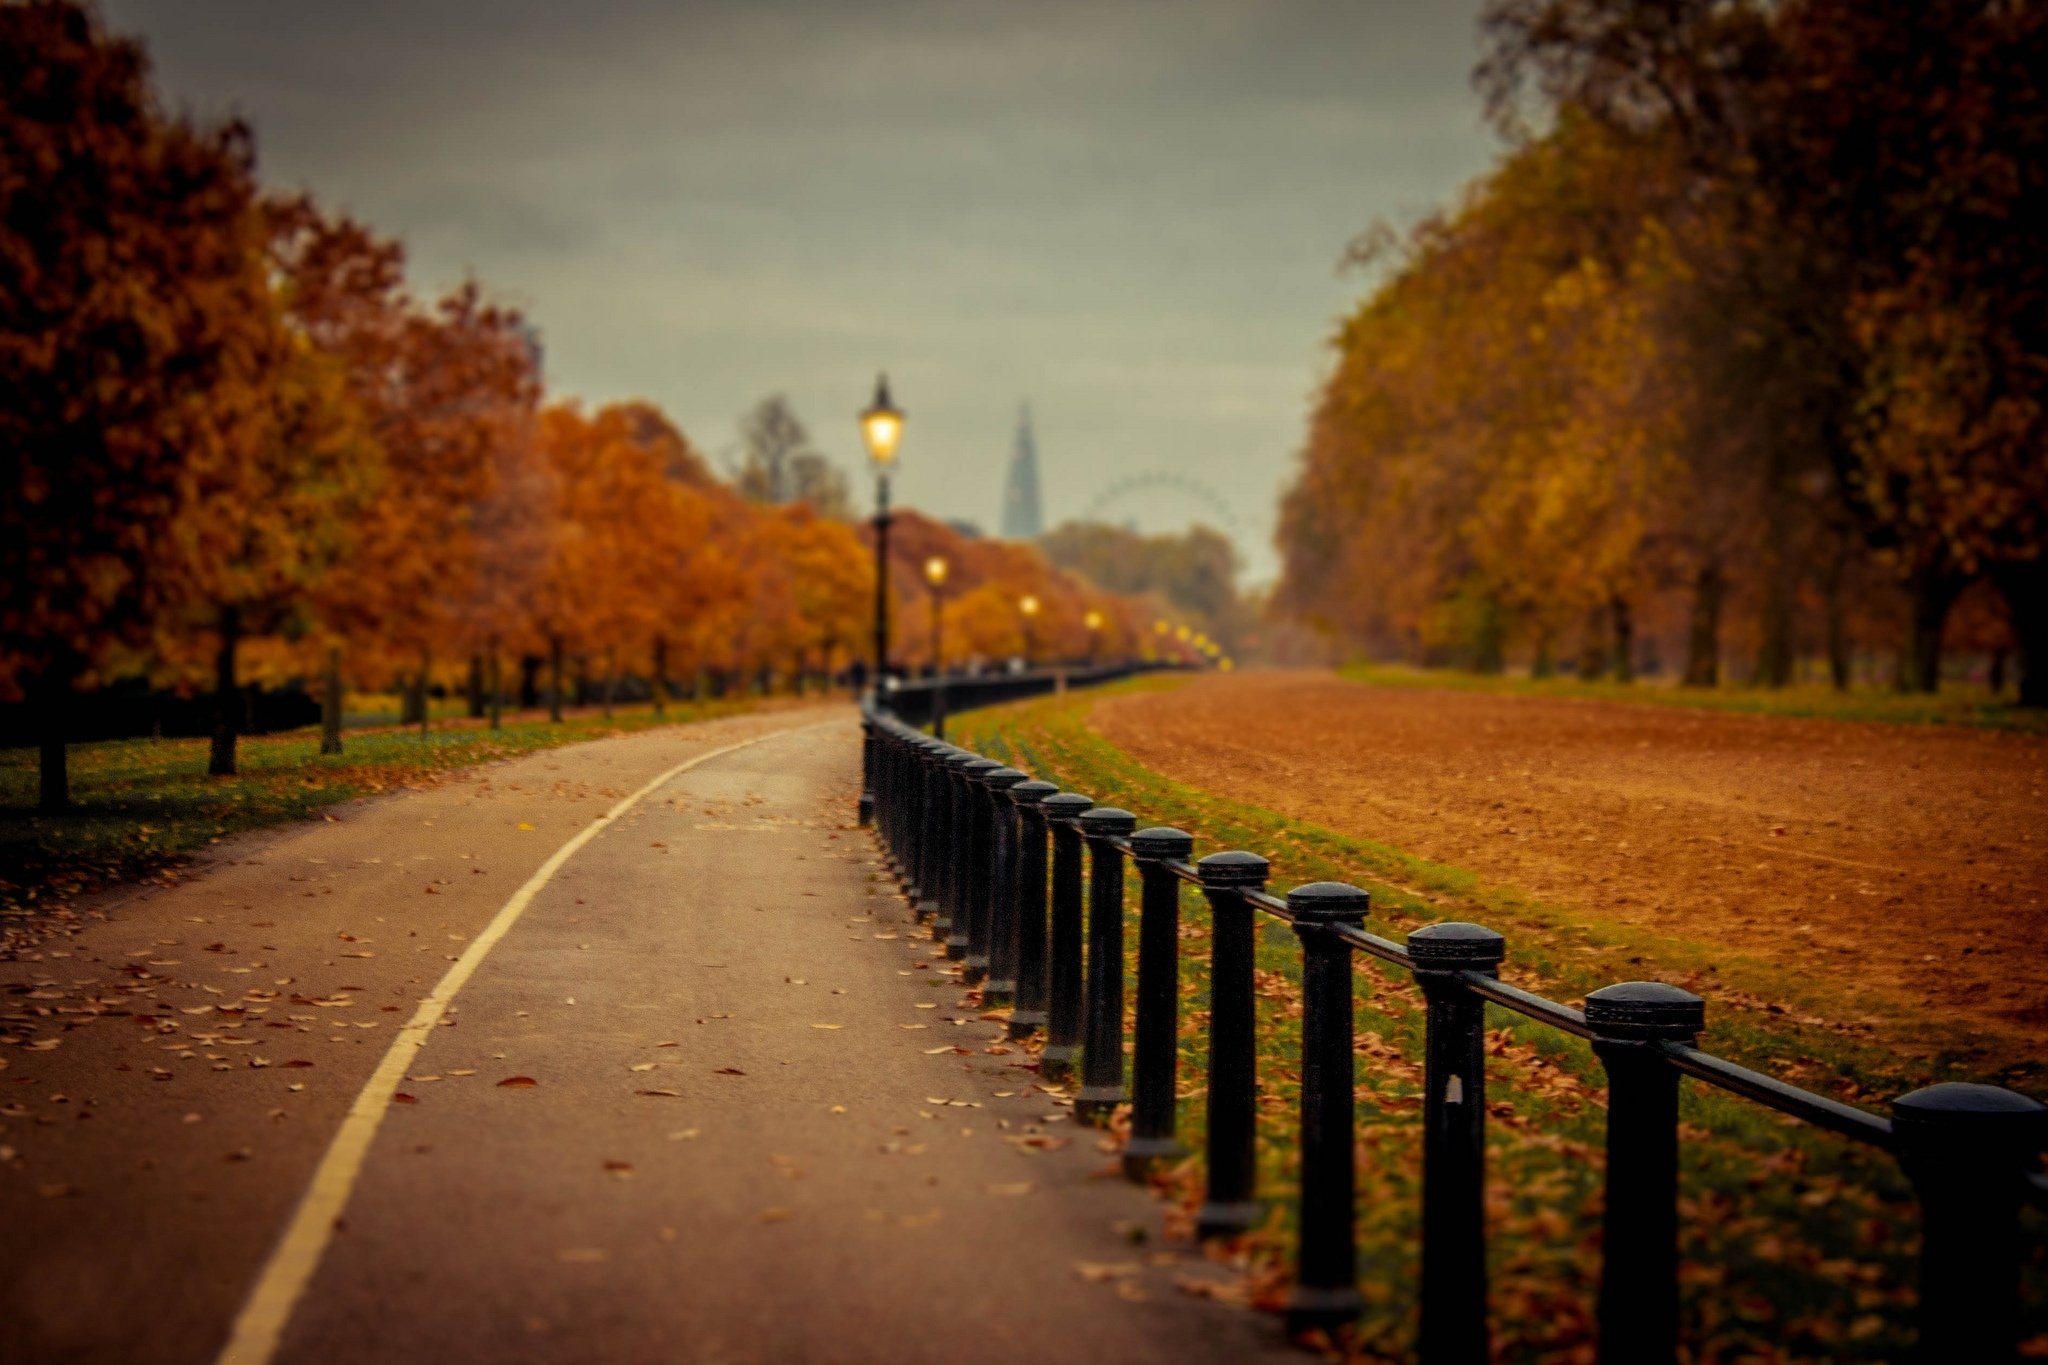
(994, 860)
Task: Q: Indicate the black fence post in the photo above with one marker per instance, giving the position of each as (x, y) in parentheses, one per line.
(1102, 1041)
(1639, 1245)
(867, 766)
(1454, 1140)
(998, 918)
(1154, 1063)
(1028, 869)
(1326, 1278)
(931, 862)
(954, 776)
(973, 815)
(1063, 995)
(1968, 1150)
(909, 756)
(1230, 1207)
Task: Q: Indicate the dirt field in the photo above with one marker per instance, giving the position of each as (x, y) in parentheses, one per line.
(1908, 862)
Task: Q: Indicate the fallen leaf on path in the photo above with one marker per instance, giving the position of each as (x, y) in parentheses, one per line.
(774, 1215)
(1096, 1272)
(728, 1071)
(935, 1051)
(644, 1066)
(461, 1071)
(671, 1094)
(402, 1098)
(828, 1026)
(296, 1064)
(683, 1135)
(524, 825)
(927, 1004)
(518, 1083)
(913, 1026)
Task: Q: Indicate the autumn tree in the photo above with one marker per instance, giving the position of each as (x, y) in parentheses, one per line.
(131, 299)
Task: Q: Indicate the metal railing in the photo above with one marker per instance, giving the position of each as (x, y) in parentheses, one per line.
(969, 838)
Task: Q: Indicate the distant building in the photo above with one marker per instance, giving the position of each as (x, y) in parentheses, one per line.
(1023, 512)
(966, 529)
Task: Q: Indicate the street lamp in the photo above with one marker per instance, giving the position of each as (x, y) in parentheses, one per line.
(1093, 620)
(1028, 608)
(881, 427)
(935, 575)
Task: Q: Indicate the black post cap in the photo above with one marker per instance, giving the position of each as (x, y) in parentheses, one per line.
(1000, 779)
(1235, 869)
(1162, 843)
(1645, 1010)
(1454, 946)
(1978, 1117)
(960, 758)
(1107, 821)
(976, 767)
(1066, 805)
(1329, 903)
(1032, 792)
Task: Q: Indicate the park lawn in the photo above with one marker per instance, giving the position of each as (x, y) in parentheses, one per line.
(1797, 1245)
(141, 807)
(1955, 704)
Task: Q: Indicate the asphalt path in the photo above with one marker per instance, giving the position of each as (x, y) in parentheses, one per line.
(561, 1060)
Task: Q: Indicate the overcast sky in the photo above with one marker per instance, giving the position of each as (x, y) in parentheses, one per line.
(1128, 213)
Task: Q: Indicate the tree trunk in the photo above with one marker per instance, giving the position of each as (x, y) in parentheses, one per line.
(331, 702)
(497, 689)
(1544, 665)
(1774, 651)
(476, 687)
(1489, 649)
(701, 687)
(2025, 589)
(1624, 640)
(1592, 648)
(796, 676)
(1703, 639)
(1930, 596)
(221, 762)
(555, 678)
(426, 705)
(660, 688)
(50, 696)
(529, 682)
(1838, 638)
(611, 677)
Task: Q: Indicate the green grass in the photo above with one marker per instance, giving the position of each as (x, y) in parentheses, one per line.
(1798, 1245)
(1956, 704)
(142, 806)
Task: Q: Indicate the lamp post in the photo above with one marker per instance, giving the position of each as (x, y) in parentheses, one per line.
(935, 575)
(1027, 607)
(881, 427)
(1093, 620)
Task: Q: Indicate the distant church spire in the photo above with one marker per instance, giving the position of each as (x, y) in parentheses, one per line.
(1023, 513)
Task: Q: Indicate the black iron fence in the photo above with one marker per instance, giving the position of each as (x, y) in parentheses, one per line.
(969, 838)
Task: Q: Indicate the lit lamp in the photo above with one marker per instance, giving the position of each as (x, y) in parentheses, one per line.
(1093, 620)
(935, 575)
(881, 427)
(1027, 607)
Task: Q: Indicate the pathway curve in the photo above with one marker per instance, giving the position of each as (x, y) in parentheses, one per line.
(749, 1118)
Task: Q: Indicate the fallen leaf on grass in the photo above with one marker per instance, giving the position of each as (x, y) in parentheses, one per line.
(518, 1083)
